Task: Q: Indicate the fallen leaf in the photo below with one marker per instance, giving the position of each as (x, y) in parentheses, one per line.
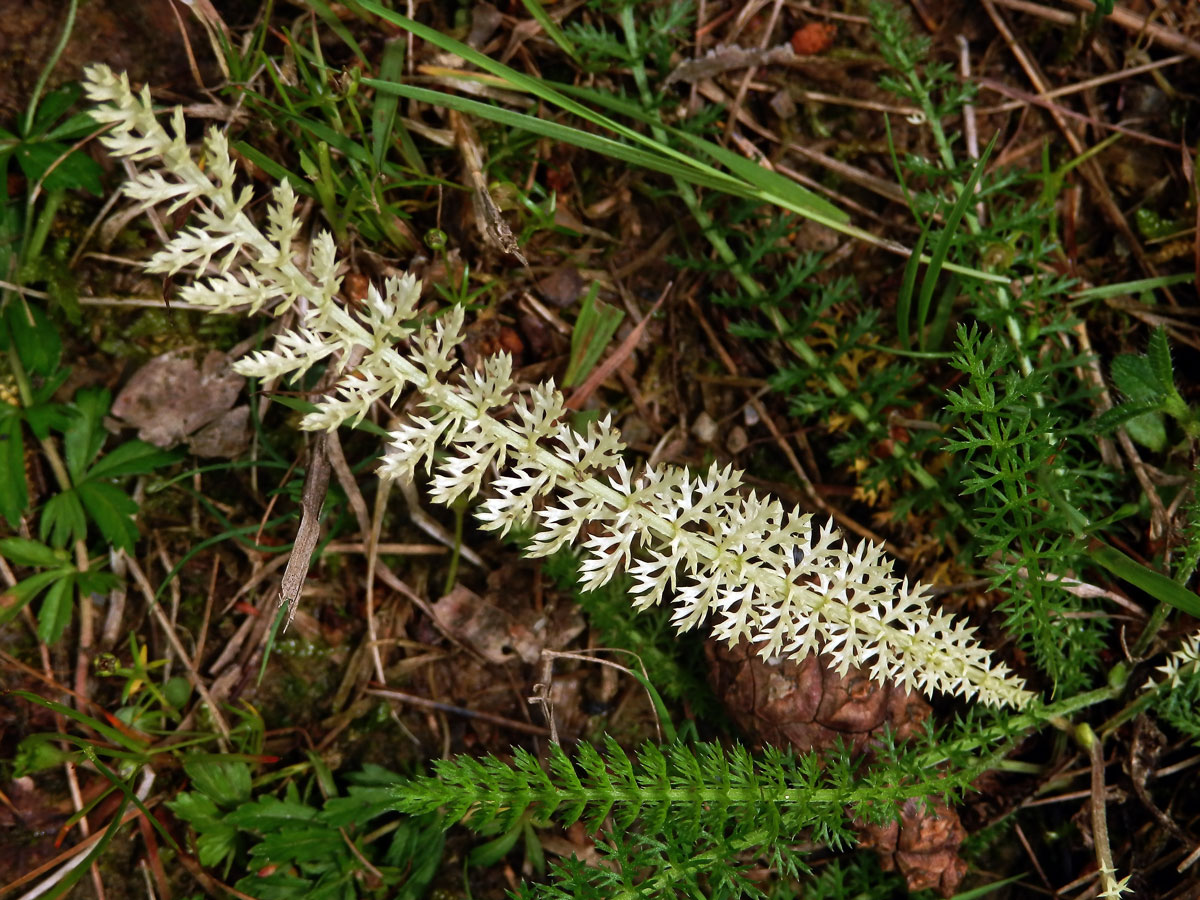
(172, 396)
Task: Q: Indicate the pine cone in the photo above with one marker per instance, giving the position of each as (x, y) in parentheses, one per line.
(809, 707)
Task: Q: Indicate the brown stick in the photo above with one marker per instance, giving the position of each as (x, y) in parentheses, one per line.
(1138, 24)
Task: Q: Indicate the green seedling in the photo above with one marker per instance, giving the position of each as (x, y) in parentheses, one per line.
(595, 327)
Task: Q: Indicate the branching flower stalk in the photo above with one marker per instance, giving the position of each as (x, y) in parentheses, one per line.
(699, 542)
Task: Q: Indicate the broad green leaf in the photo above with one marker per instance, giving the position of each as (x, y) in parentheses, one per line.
(94, 581)
(1120, 414)
(24, 591)
(55, 613)
(34, 336)
(14, 490)
(36, 753)
(53, 105)
(112, 510)
(85, 435)
(270, 814)
(1135, 378)
(1158, 353)
(299, 845)
(63, 520)
(59, 168)
(45, 415)
(214, 845)
(1149, 430)
(177, 690)
(362, 805)
(25, 552)
(280, 886)
(225, 781)
(72, 129)
(131, 458)
(196, 809)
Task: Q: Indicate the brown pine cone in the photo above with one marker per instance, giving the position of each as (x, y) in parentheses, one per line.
(807, 706)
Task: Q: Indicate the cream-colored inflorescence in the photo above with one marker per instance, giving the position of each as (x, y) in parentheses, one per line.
(1183, 662)
(700, 543)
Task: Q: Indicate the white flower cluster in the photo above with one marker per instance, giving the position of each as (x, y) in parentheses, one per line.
(1183, 662)
(698, 542)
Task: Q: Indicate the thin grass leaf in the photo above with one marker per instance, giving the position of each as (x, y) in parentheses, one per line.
(941, 249)
(385, 125)
(551, 28)
(568, 135)
(63, 887)
(908, 284)
(1157, 585)
(757, 176)
(331, 20)
(113, 735)
(544, 91)
(535, 86)
(936, 332)
(594, 328)
(299, 183)
(1126, 288)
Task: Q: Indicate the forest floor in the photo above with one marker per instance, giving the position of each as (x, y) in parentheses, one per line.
(1003, 444)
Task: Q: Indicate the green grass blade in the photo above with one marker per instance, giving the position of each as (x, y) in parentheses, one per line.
(63, 887)
(935, 334)
(551, 28)
(908, 284)
(701, 172)
(535, 86)
(329, 17)
(758, 176)
(568, 135)
(937, 259)
(114, 735)
(385, 125)
(1157, 585)
(1106, 291)
(594, 328)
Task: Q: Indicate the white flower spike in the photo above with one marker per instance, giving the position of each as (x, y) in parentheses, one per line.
(699, 543)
